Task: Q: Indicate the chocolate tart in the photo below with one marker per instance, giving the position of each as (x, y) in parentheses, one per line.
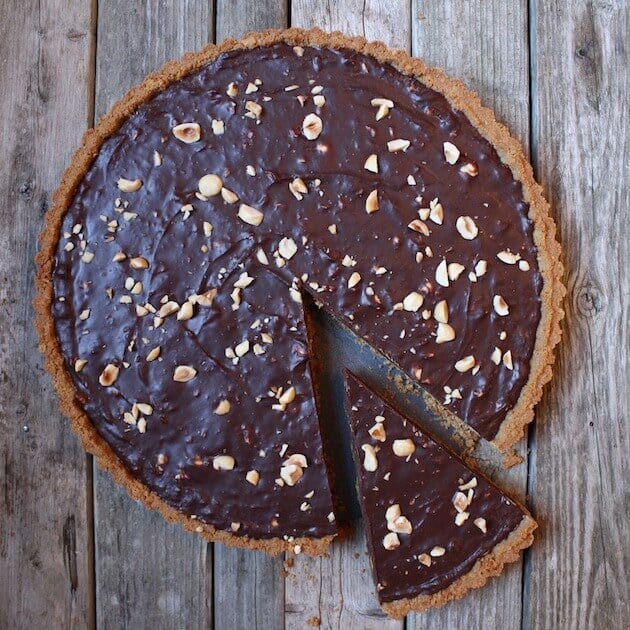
(206, 202)
(435, 528)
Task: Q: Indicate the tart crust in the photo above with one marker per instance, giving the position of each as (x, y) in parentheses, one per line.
(511, 153)
(486, 567)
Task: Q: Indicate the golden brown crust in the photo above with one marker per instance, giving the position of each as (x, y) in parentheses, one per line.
(486, 567)
(510, 151)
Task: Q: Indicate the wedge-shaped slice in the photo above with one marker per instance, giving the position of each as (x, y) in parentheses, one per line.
(435, 528)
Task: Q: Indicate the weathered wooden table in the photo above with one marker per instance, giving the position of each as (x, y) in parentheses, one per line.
(75, 551)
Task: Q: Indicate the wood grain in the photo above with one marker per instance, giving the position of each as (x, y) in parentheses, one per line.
(338, 590)
(148, 574)
(45, 519)
(249, 586)
(237, 17)
(384, 20)
(485, 45)
(578, 576)
(139, 572)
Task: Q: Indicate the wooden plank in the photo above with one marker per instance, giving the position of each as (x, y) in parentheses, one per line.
(148, 574)
(338, 591)
(484, 44)
(237, 17)
(381, 20)
(579, 567)
(45, 506)
(248, 586)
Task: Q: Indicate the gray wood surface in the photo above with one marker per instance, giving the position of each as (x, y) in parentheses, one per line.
(149, 574)
(45, 485)
(578, 574)
(75, 551)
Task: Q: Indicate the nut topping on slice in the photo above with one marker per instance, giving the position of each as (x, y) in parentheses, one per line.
(441, 274)
(436, 211)
(228, 196)
(153, 354)
(109, 375)
(185, 312)
(413, 302)
(184, 373)
(384, 105)
(451, 152)
(496, 355)
(400, 144)
(445, 333)
(250, 215)
(287, 398)
(312, 126)
(454, 271)
(254, 110)
(440, 312)
(371, 164)
(419, 226)
(129, 185)
(218, 127)
(500, 306)
(465, 364)
(79, 364)
(298, 188)
(377, 432)
(287, 248)
(425, 559)
(187, 132)
(392, 512)
(291, 473)
(469, 484)
(507, 360)
(206, 299)
(470, 169)
(139, 263)
(223, 407)
(481, 524)
(403, 448)
(354, 279)
(253, 476)
(371, 203)
(508, 257)
(461, 518)
(168, 308)
(467, 228)
(210, 185)
(223, 462)
(391, 541)
(401, 525)
(436, 552)
(370, 463)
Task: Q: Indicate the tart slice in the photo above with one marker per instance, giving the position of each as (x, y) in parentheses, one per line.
(435, 528)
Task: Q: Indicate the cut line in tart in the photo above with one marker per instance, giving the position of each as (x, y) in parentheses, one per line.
(435, 528)
(217, 193)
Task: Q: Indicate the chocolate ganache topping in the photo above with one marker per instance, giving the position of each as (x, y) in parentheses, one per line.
(428, 518)
(202, 220)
